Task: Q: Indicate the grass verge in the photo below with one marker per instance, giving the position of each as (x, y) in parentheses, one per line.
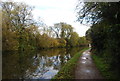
(103, 67)
(67, 71)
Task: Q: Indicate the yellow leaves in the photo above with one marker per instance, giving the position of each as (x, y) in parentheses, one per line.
(62, 42)
(45, 41)
(74, 39)
(9, 40)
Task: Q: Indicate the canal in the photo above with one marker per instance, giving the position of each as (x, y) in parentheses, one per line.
(41, 64)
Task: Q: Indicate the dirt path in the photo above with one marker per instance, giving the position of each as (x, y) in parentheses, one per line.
(86, 69)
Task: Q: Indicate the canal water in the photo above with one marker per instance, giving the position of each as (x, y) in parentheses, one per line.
(41, 64)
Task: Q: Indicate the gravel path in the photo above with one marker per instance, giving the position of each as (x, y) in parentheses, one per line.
(86, 68)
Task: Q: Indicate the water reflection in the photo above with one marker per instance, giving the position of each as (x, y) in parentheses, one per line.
(42, 64)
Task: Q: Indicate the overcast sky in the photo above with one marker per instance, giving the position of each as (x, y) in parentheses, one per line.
(55, 11)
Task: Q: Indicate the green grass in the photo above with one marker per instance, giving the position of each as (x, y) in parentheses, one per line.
(68, 70)
(103, 67)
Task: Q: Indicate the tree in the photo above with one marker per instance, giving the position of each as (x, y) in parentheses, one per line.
(104, 32)
(56, 29)
(94, 12)
(82, 41)
(62, 30)
(16, 17)
(62, 42)
(73, 41)
(66, 30)
(19, 14)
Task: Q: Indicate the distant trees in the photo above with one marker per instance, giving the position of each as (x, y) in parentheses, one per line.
(66, 33)
(66, 30)
(83, 41)
(62, 30)
(62, 42)
(21, 32)
(74, 39)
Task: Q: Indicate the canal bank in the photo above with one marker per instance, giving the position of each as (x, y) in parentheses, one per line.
(68, 70)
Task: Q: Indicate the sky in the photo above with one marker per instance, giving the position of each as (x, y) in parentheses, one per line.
(55, 11)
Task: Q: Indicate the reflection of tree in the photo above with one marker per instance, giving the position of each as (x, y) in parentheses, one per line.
(49, 52)
(57, 59)
(15, 64)
(9, 65)
(34, 64)
(61, 60)
(73, 51)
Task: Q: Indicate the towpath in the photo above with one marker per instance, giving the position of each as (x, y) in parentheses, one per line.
(86, 68)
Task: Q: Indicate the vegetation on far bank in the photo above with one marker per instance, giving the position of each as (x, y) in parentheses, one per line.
(68, 70)
(21, 32)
